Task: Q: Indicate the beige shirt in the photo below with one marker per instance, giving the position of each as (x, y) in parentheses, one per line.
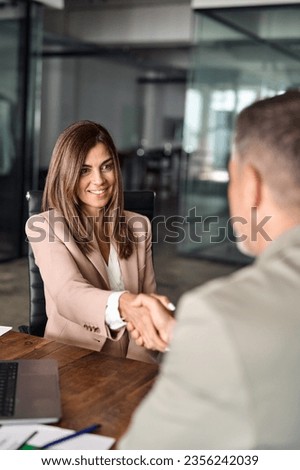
(231, 379)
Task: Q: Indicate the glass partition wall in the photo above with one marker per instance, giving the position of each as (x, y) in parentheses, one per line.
(240, 55)
(20, 44)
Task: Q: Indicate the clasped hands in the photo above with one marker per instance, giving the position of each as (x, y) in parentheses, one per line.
(149, 319)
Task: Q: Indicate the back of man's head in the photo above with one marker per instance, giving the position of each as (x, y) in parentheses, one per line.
(268, 136)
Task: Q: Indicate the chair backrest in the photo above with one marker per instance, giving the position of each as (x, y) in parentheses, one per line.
(142, 202)
(37, 312)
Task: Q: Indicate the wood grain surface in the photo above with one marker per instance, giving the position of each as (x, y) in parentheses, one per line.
(95, 387)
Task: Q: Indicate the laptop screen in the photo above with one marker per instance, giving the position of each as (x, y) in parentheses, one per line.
(29, 391)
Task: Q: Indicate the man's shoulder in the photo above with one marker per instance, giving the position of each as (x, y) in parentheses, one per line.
(237, 279)
(226, 293)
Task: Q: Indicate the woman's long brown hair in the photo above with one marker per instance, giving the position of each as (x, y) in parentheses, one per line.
(62, 180)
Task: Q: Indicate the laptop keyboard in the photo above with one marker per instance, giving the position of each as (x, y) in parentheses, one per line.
(8, 381)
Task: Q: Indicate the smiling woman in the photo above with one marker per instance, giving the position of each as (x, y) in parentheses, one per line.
(97, 180)
(84, 162)
(96, 269)
(96, 187)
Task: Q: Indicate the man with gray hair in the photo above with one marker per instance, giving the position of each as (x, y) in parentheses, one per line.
(231, 379)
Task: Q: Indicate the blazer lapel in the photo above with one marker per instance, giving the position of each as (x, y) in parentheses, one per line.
(98, 262)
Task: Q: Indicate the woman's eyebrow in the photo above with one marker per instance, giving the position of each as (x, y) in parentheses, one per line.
(106, 161)
(103, 163)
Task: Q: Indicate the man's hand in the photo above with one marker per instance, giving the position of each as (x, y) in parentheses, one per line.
(149, 319)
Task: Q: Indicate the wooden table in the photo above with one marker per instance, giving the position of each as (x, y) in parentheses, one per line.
(95, 387)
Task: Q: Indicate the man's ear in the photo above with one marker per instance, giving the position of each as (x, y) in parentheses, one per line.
(252, 182)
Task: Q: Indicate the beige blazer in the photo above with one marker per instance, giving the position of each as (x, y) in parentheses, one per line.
(231, 379)
(77, 287)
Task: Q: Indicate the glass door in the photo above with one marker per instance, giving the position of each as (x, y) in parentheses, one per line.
(240, 55)
(20, 43)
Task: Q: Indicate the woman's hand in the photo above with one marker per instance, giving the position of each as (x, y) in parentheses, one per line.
(149, 319)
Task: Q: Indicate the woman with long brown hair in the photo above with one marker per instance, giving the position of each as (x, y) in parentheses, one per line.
(95, 258)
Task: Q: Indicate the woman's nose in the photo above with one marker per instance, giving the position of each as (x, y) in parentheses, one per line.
(97, 177)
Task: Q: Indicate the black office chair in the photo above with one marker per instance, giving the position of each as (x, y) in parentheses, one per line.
(142, 202)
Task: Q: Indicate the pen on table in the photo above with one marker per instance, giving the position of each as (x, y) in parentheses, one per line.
(27, 440)
(91, 428)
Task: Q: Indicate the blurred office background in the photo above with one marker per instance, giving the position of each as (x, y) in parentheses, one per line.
(167, 78)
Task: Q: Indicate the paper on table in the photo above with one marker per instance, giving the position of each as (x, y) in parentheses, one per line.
(12, 437)
(4, 329)
(46, 433)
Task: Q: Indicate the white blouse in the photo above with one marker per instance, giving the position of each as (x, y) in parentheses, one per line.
(114, 270)
(112, 314)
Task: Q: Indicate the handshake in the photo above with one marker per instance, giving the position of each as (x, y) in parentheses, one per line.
(149, 319)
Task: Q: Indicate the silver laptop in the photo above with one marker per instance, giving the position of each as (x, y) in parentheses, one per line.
(29, 391)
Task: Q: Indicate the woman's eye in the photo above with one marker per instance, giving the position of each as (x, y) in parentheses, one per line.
(107, 167)
(84, 171)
